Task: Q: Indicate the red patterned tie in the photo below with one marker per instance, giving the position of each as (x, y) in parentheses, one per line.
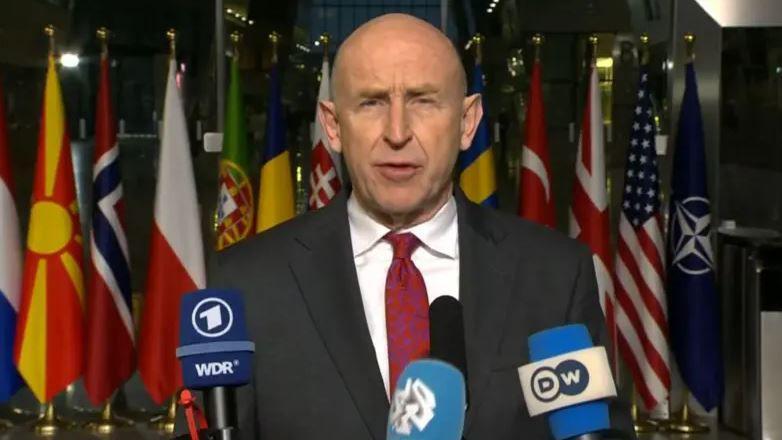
(407, 308)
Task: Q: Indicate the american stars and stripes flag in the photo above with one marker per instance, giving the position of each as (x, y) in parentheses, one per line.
(641, 315)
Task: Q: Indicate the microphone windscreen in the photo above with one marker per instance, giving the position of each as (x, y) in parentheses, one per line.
(577, 419)
(446, 332)
(428, 403)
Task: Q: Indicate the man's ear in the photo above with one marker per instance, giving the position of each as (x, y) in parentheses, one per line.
(328, 120)
(472, 112)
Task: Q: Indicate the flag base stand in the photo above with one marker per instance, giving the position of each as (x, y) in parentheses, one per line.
(109, 422)
(643, 424)
(685, 424)
(49, 424)
(164, 423)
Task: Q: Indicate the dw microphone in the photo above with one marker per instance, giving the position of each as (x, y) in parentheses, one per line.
(568, 380)
(215, 354)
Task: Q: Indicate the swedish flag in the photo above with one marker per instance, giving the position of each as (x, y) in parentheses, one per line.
(275, 195)
(476, 165)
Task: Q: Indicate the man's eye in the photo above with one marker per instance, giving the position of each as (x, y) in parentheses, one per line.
(424, 100)
(370, 102)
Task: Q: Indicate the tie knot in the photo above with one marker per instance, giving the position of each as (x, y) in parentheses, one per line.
(404, 244)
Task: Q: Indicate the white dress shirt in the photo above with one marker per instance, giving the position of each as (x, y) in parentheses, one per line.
(437, 258)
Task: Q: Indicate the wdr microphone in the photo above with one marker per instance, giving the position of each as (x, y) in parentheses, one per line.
(215, 353)
(428, 403)
(568, 379)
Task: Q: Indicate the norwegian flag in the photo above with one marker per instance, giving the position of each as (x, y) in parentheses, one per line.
(641, 315)
(325, 180)
(110, 350)
(589, 209)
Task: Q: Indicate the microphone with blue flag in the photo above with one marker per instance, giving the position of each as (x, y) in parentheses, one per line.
(215, 353)
(568, 380)
(428, 403)
(692, 296)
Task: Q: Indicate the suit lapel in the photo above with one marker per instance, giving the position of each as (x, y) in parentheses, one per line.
(327, 278)
(484, 289)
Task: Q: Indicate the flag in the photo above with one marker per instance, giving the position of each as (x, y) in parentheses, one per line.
(235, 208)
(275, 195)
(109, 359)
(536, 202)
(692, 297)
(176, 256)
(641, 308)
(50, 329)
(476, 165)
(589, 208)
(325, 180)
(10, 267)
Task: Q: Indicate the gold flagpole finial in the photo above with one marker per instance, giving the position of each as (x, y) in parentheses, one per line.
(593, 41)
(236, 38)
(274, 37)
(643, 55)
(49, 31)
(478, 39)
(689, 41)
(171, 35)
(537, 42)
(103, 36)
(325, 39)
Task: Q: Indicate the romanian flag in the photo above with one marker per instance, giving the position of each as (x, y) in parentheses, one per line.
(235, 204)
(275, 195)
(49, 337)
(476, 165)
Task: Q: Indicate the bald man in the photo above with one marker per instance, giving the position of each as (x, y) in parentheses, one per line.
(337, 299)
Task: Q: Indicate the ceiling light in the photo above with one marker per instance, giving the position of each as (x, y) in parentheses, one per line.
(251, 22)
(229, 10)
(69, 60)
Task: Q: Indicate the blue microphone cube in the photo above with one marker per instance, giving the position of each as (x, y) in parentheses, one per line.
(213, 346)
(428, 403)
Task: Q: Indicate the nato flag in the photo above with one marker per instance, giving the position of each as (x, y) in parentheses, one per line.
(693, 302)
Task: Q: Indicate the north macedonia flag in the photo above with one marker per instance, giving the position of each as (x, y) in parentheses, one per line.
(49, 333)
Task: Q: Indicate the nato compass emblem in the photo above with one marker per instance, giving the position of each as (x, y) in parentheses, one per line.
(690, 236)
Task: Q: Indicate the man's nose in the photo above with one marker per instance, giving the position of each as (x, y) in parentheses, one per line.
(398, 132)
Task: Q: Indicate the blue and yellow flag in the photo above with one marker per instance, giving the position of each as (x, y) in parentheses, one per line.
(476, 165)
(275, 195)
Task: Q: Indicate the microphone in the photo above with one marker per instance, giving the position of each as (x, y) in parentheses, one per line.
(428, 403)
(568, 380)
(215, 354)
(446, 332)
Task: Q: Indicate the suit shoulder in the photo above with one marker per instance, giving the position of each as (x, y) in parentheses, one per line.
(544, 241)
(274, 241)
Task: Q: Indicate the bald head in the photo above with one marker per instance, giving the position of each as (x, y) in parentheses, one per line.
(384, 35)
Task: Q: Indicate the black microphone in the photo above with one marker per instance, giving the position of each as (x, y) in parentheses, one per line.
(446, 334)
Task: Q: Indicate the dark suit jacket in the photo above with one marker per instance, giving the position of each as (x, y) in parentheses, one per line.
(316, 374)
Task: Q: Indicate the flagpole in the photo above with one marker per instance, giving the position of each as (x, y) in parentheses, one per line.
(685, 423)
(325, 39)
(478, 39)
(537, 43)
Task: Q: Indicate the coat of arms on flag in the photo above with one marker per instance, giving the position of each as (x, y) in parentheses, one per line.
(235, 208)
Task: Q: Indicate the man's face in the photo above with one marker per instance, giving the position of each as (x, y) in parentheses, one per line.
(400, 123)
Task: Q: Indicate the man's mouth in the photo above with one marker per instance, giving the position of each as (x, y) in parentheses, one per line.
(397, 171)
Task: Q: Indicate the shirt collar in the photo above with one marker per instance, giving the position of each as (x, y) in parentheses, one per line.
(439, 234)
